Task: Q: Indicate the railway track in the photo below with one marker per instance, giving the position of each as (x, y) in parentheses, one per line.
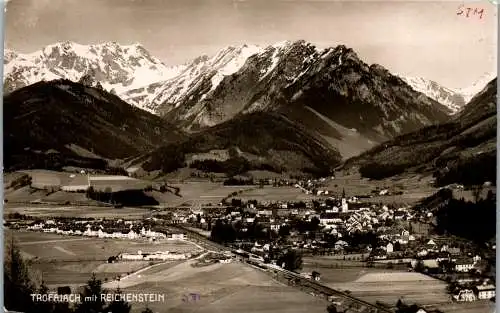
(319, 288)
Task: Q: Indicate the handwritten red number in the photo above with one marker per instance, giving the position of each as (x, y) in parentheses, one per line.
(479, 12)
(468, 11)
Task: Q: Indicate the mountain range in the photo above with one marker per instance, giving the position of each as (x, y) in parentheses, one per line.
(286, 107)
(350, 104)
(454, 99)
(144, 81)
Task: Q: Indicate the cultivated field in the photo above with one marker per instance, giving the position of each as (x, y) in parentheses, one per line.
(467, 307)
(269, 193)
(27, 194)
(197, 193)
(77, 211)
(233, 287)
(117, 183)
(388, 287)
(342, 275)
(42, 179)
(414, 188)
(71, 260)
(84, 248)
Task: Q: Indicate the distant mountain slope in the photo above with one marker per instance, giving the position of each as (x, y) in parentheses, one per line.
(57, 123)
(469, 92)
(446, 96)
(454, 99)
(463, 150)
(265, 141)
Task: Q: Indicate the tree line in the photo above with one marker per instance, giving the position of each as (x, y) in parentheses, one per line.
(471, 220)
(123, 197)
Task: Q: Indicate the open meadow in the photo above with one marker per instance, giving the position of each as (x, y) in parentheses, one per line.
(70, 260)
(414, 188)
(44, 182)
(232, 287)
(378, 284)
(44, 211)
(198, 193)
(389, 286)
(28, 194)
(483, 306)
(269, 193)
(342, 275)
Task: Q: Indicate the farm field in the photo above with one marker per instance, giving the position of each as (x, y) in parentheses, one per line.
(79, 272)
(343, 275)
(27, 194)
(197, 193)
(415, 188)
(232, 287)
(388, 287)
(84, 248)
(269, 193)
(117, 183)
(336, 258)
(467, 307)
(72, 260)
(77, 211)
(42, 179)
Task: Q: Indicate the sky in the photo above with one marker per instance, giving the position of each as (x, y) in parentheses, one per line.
(414, 38)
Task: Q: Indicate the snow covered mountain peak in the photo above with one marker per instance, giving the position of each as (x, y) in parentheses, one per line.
(448, 97)
(454, 99)
(118, 67)
(469, 92)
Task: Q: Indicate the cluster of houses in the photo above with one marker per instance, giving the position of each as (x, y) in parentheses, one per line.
(314, 186)
(484, 291)
(339, 219)
(119, 229)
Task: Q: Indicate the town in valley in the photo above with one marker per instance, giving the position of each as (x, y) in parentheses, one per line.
(249, 156)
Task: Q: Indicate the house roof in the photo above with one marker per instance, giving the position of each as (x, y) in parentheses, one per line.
(485, 287)
(330, 215)
(464, 261)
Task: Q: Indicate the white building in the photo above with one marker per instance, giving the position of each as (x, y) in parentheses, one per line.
(345, 206)
(179, 236)
(275, 227)
(74, 188)
(465, 295)
(132, 257)
(485, 291)
(464, 265)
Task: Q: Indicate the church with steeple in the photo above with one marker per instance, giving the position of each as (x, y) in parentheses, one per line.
(345, 206)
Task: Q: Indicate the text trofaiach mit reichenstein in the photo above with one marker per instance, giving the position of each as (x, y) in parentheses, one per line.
(104, 297)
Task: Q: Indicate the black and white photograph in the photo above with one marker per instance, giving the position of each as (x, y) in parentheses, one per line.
(254, 156)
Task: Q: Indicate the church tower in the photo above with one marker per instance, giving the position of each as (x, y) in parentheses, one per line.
(345, 206)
